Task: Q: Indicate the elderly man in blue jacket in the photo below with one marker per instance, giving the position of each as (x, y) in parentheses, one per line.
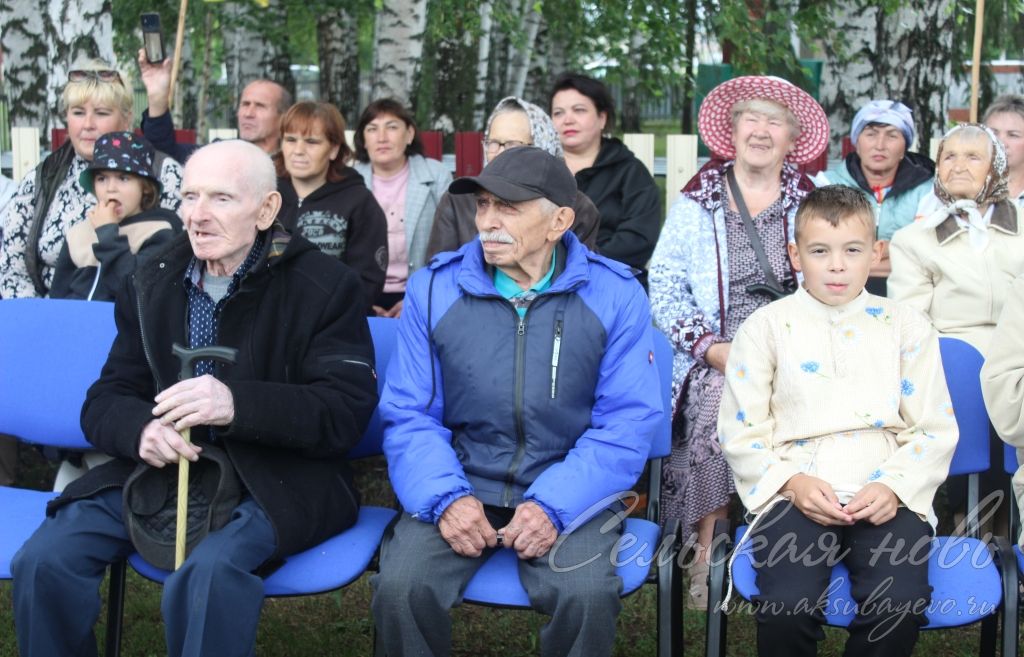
(522, 398)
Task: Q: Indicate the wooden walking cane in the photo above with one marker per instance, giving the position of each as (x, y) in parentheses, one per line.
(179, 38)
(188, 357)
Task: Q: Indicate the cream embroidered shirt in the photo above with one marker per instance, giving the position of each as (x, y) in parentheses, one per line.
(850, 394)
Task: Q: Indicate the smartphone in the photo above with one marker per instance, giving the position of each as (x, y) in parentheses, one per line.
(152, 39)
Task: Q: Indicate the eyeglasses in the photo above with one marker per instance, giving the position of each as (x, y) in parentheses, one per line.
(493, 146)
(103, 75)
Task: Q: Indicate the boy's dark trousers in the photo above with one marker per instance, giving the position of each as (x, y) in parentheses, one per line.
(793, 572)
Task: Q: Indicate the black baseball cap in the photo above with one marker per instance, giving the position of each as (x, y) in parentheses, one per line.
(523, 174)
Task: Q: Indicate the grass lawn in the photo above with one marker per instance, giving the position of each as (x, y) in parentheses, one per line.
(339, 624)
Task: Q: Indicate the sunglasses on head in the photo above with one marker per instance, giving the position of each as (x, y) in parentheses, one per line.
(104, 75)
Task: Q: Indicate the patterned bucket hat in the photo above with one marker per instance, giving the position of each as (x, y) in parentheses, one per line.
(120, 151)
(715, 119)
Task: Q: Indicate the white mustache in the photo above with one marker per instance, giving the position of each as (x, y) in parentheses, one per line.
(496, 236)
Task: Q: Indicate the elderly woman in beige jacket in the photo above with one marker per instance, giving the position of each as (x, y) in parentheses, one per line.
(956, 264)
(1002, 381)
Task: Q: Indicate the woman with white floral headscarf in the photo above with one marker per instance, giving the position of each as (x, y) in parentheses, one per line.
(956, 264)
(513, 123)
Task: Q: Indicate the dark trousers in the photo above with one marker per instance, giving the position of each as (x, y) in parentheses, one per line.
(8, 460)
(211, 605)
(888, 580)
(421, 578)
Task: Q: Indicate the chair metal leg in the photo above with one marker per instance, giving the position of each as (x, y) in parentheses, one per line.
(988, 635)
(1014, 514)
(115, 608)
(1007, 562)
(973, 502)
(670, 594)
(714, 645)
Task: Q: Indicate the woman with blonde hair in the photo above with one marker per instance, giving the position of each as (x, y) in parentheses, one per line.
(50, 199)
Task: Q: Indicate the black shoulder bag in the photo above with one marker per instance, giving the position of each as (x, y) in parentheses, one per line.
(771, 288)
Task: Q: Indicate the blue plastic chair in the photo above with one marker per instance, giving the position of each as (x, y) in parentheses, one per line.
(343, 558)
(51, 351)
(966, 590)
(497, 582)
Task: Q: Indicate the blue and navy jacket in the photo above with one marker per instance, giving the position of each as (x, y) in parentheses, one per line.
(558, 407)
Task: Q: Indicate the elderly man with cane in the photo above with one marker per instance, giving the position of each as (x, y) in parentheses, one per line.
(269, 431)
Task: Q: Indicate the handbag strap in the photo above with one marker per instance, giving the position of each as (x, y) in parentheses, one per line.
(748, 225)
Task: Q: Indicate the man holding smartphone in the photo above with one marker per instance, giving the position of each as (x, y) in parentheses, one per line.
(259, 111)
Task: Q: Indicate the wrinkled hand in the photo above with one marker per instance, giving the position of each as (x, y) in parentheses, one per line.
(717, 355)
(875, 503)
(202, 400)
(103, 214)
(157, 80)
(815, 499)
(465, 527)
(160, 445)
(529, 532)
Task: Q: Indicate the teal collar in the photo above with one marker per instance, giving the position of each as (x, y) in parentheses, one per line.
(509, 289)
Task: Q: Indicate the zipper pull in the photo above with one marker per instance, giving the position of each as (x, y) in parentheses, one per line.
(556, 349)
(522, 326)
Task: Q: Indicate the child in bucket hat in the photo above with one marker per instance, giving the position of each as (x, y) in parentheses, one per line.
(125, 227)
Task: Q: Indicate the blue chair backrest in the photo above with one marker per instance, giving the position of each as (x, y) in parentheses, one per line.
(662, 445)
(51, 351)
(961, 364)
(385, 334)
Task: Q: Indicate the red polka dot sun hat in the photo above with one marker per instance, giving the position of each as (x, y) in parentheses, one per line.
(715, 119)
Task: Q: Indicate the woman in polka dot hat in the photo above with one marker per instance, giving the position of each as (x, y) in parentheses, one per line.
(707, 276)
(124, 227)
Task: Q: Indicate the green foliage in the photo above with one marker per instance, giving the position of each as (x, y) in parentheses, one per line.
(637, 45)
(447, 79)
(759, 40)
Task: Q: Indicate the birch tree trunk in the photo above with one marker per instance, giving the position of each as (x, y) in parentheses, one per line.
(906, 55)
(242, 53)
(249, 52)
(276, 64)
(518, 9)
(204, 80)
(498, 67)
(520, 63)
(629, 120)
(338, 52)
(398, 41)
(537, 80)
(480, 108)
(73, 29)
(42, 38)
(25, 65)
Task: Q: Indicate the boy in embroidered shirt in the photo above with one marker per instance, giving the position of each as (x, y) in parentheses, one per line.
(837, 424)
